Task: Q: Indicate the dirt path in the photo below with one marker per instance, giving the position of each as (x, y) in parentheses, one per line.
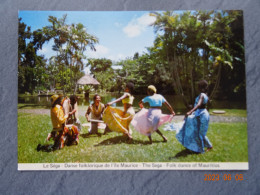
(213, 118)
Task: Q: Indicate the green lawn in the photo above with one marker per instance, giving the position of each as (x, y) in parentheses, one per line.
(229, 141)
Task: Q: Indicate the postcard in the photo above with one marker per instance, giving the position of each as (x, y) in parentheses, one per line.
(132, 90)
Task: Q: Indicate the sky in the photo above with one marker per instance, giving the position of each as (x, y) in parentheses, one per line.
(121, 33)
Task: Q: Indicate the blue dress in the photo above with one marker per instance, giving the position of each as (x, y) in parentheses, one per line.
(192, 135)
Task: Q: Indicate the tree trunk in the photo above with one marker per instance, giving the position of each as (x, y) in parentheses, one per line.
(192, 84)
(177, 83)
(217, 82)
(75, 88)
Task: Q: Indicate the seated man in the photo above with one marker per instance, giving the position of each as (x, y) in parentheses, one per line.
(94, 112)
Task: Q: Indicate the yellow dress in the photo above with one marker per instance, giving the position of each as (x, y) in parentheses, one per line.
(116, 120)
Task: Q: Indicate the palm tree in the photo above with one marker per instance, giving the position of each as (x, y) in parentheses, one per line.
(78, 42)
(187, 45)
(70, 42)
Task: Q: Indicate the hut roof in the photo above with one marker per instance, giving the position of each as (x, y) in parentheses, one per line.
(87, 80)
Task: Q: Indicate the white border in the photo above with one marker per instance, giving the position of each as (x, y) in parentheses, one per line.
(133, 166)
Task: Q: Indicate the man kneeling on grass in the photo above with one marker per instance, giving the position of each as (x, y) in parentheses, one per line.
(61, 134)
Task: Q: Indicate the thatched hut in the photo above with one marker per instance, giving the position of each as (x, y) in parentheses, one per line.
(87, 80)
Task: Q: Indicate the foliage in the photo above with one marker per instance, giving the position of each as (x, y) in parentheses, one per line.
(70, 42)
(188, 47)
(103, 72)
(195, 45)
(31, 67)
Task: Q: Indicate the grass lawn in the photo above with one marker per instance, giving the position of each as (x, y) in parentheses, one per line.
(229, 141)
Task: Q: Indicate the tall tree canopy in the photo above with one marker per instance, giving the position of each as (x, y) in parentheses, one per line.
(31, 67)
(70, 43)
(188, 47)
(193, 46)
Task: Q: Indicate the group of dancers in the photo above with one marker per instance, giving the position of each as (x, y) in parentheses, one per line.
(192, 134)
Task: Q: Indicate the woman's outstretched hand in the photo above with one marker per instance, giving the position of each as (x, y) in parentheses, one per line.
(187, 114)
(108, 104)
(141, 105)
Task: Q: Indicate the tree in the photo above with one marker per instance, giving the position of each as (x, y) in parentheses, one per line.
(192, 46)
(31, 67)
(103, 72)
(70, 43)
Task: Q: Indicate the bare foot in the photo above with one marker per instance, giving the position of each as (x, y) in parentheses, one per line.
(209, 149)
(165, 139)
(48, 137)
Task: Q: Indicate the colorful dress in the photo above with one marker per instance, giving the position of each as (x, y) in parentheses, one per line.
(146, 125)
(148, 121)
(117, 120)
(61, 134)
(192, 135)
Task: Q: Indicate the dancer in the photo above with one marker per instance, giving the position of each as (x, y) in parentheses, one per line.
(154, 117)
(66, 108)
(118, 120)
(95, 112)
(70, 108)
(74, 112)
(61, 134)
(192, 135)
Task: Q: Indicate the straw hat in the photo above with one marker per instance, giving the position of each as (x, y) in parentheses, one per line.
(152, 88)
(54, 98)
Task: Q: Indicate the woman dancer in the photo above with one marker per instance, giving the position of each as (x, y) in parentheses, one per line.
(154, 114)
(70, 108)
(192, 135)
(118, 120)
(74, 114)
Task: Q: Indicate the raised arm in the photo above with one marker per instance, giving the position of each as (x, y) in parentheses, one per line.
(117, 100)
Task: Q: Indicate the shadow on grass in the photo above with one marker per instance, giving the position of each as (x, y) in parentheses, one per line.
(183, 153)
(87, 135)
(51, 148)
(45, 148)
(123, 139)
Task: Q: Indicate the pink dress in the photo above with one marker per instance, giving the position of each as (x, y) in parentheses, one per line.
(147, 121)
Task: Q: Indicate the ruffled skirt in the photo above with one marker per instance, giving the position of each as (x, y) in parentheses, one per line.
(147, 121)
(192, 134)
(116, 120)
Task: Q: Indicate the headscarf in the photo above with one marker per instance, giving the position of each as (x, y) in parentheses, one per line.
(54, 98)
(152, 88)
